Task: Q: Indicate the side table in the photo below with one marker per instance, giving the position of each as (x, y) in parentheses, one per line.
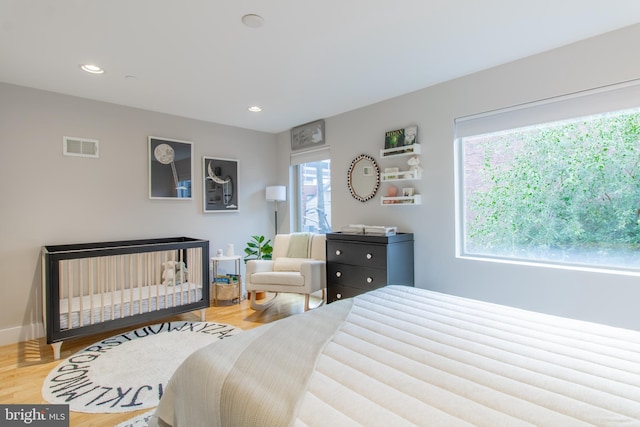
(215, 261)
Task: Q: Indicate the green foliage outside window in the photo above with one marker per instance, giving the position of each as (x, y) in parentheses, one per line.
(554, 191)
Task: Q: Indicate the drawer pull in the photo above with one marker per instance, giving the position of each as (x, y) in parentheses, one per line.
(369, 279)
(338, 252)
(338, 296)
(369, 256)
(338, 274)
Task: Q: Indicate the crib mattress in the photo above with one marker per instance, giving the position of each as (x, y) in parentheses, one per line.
(97, 308)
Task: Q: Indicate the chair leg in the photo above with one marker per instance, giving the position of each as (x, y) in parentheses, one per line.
(263, 306)
(322, 301)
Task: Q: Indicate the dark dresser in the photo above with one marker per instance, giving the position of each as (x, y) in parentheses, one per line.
(359, 263)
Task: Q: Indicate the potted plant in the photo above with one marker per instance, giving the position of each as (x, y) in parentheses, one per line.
(258, 248)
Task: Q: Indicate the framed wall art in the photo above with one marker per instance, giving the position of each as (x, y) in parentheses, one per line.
(220, 184)
(308, 135)
(170, 168)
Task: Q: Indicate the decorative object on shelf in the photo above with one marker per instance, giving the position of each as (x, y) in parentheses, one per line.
(258, 248)
(308, 135)
(170, 168)
(414, 166)
(363, 178)
(405, 150)
(408, 192)
(401, 137)
(220, 184)
(416, 199)
(390, 173)
(392, 191)
(275, 194)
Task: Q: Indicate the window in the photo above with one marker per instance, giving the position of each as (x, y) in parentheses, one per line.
(563, 191)
(313, 183)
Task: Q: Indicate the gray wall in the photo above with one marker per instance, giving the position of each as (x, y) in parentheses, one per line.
(600, 61)
(48, 198)
(51, 199)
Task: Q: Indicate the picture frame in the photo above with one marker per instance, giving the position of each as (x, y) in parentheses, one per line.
(308, 135)
(220, 184)
(170, 168)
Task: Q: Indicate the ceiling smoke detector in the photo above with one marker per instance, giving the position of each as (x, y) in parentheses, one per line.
(253, 21)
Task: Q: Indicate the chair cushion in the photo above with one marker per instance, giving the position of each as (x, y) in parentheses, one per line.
(285, 278)
(288, 264)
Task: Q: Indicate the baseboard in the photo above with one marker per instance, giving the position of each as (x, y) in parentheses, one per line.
(21, 333)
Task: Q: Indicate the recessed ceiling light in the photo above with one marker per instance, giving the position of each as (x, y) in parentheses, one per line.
(252, 20)
(93, 69)
(255, 109)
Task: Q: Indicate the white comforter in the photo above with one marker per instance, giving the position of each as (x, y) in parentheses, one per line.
(405, 356)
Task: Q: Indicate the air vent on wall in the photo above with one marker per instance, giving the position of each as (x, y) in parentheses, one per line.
(81, 147)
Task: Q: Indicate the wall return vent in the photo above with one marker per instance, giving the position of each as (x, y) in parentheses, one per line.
(80, 147)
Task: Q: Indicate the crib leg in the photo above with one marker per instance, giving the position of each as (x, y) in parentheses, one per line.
(202, 315)
(56, 346)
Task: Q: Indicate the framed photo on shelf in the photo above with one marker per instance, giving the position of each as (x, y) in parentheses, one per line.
(401, 137)
(307, 136)
(170, 168)
(220, 184)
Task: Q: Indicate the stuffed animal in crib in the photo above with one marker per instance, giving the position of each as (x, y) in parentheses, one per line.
(174, 273)
(414, 165)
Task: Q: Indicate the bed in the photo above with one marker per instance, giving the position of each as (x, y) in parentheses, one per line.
(97, 287)
(401, 356)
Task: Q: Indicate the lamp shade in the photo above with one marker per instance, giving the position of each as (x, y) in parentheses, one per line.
(276, 193)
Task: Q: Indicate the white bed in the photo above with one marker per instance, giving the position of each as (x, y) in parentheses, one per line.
(405, 356)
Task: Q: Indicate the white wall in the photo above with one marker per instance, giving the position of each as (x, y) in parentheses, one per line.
(51, 199)
(600, 61)
(48, 198)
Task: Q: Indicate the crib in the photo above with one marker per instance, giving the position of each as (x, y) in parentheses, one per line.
(98, 287)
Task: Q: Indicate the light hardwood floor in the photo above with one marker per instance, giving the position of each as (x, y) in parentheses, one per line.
(24, 366)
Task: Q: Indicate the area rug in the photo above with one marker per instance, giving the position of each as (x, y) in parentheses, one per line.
(128, 372)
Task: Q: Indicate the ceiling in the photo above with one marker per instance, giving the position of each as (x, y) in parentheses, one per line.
(310, 59)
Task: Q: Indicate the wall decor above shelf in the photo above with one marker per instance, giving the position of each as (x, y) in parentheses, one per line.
(416, 199)
(403, 150)
(408, 175)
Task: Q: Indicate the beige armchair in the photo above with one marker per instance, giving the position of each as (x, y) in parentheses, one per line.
(297, 266)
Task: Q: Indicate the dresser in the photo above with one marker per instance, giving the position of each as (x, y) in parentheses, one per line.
(359, 263)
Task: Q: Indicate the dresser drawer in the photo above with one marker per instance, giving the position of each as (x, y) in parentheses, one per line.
(356, 277)
(339, 292)
(374, 256)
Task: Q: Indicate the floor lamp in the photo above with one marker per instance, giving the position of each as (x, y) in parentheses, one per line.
(275, 194)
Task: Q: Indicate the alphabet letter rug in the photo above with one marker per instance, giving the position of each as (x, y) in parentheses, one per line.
(129, 371)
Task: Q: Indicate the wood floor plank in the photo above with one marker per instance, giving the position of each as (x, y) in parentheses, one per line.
(24, 366)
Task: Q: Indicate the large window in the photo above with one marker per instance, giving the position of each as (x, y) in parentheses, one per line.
(313, 208)
(561, 191)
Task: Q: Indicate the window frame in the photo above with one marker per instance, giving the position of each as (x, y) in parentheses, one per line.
(606, 99)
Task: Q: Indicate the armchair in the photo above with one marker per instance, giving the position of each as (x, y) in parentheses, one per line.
(297, 266)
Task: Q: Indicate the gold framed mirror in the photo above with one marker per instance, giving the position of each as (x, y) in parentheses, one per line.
(363, 178)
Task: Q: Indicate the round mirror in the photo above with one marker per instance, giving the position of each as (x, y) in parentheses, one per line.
(364, 178)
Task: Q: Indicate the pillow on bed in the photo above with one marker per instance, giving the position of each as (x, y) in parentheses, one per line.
(288, 264)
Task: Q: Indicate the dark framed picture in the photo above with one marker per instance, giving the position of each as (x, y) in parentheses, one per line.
(220, 184)
(170, 168)
(308, 135)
